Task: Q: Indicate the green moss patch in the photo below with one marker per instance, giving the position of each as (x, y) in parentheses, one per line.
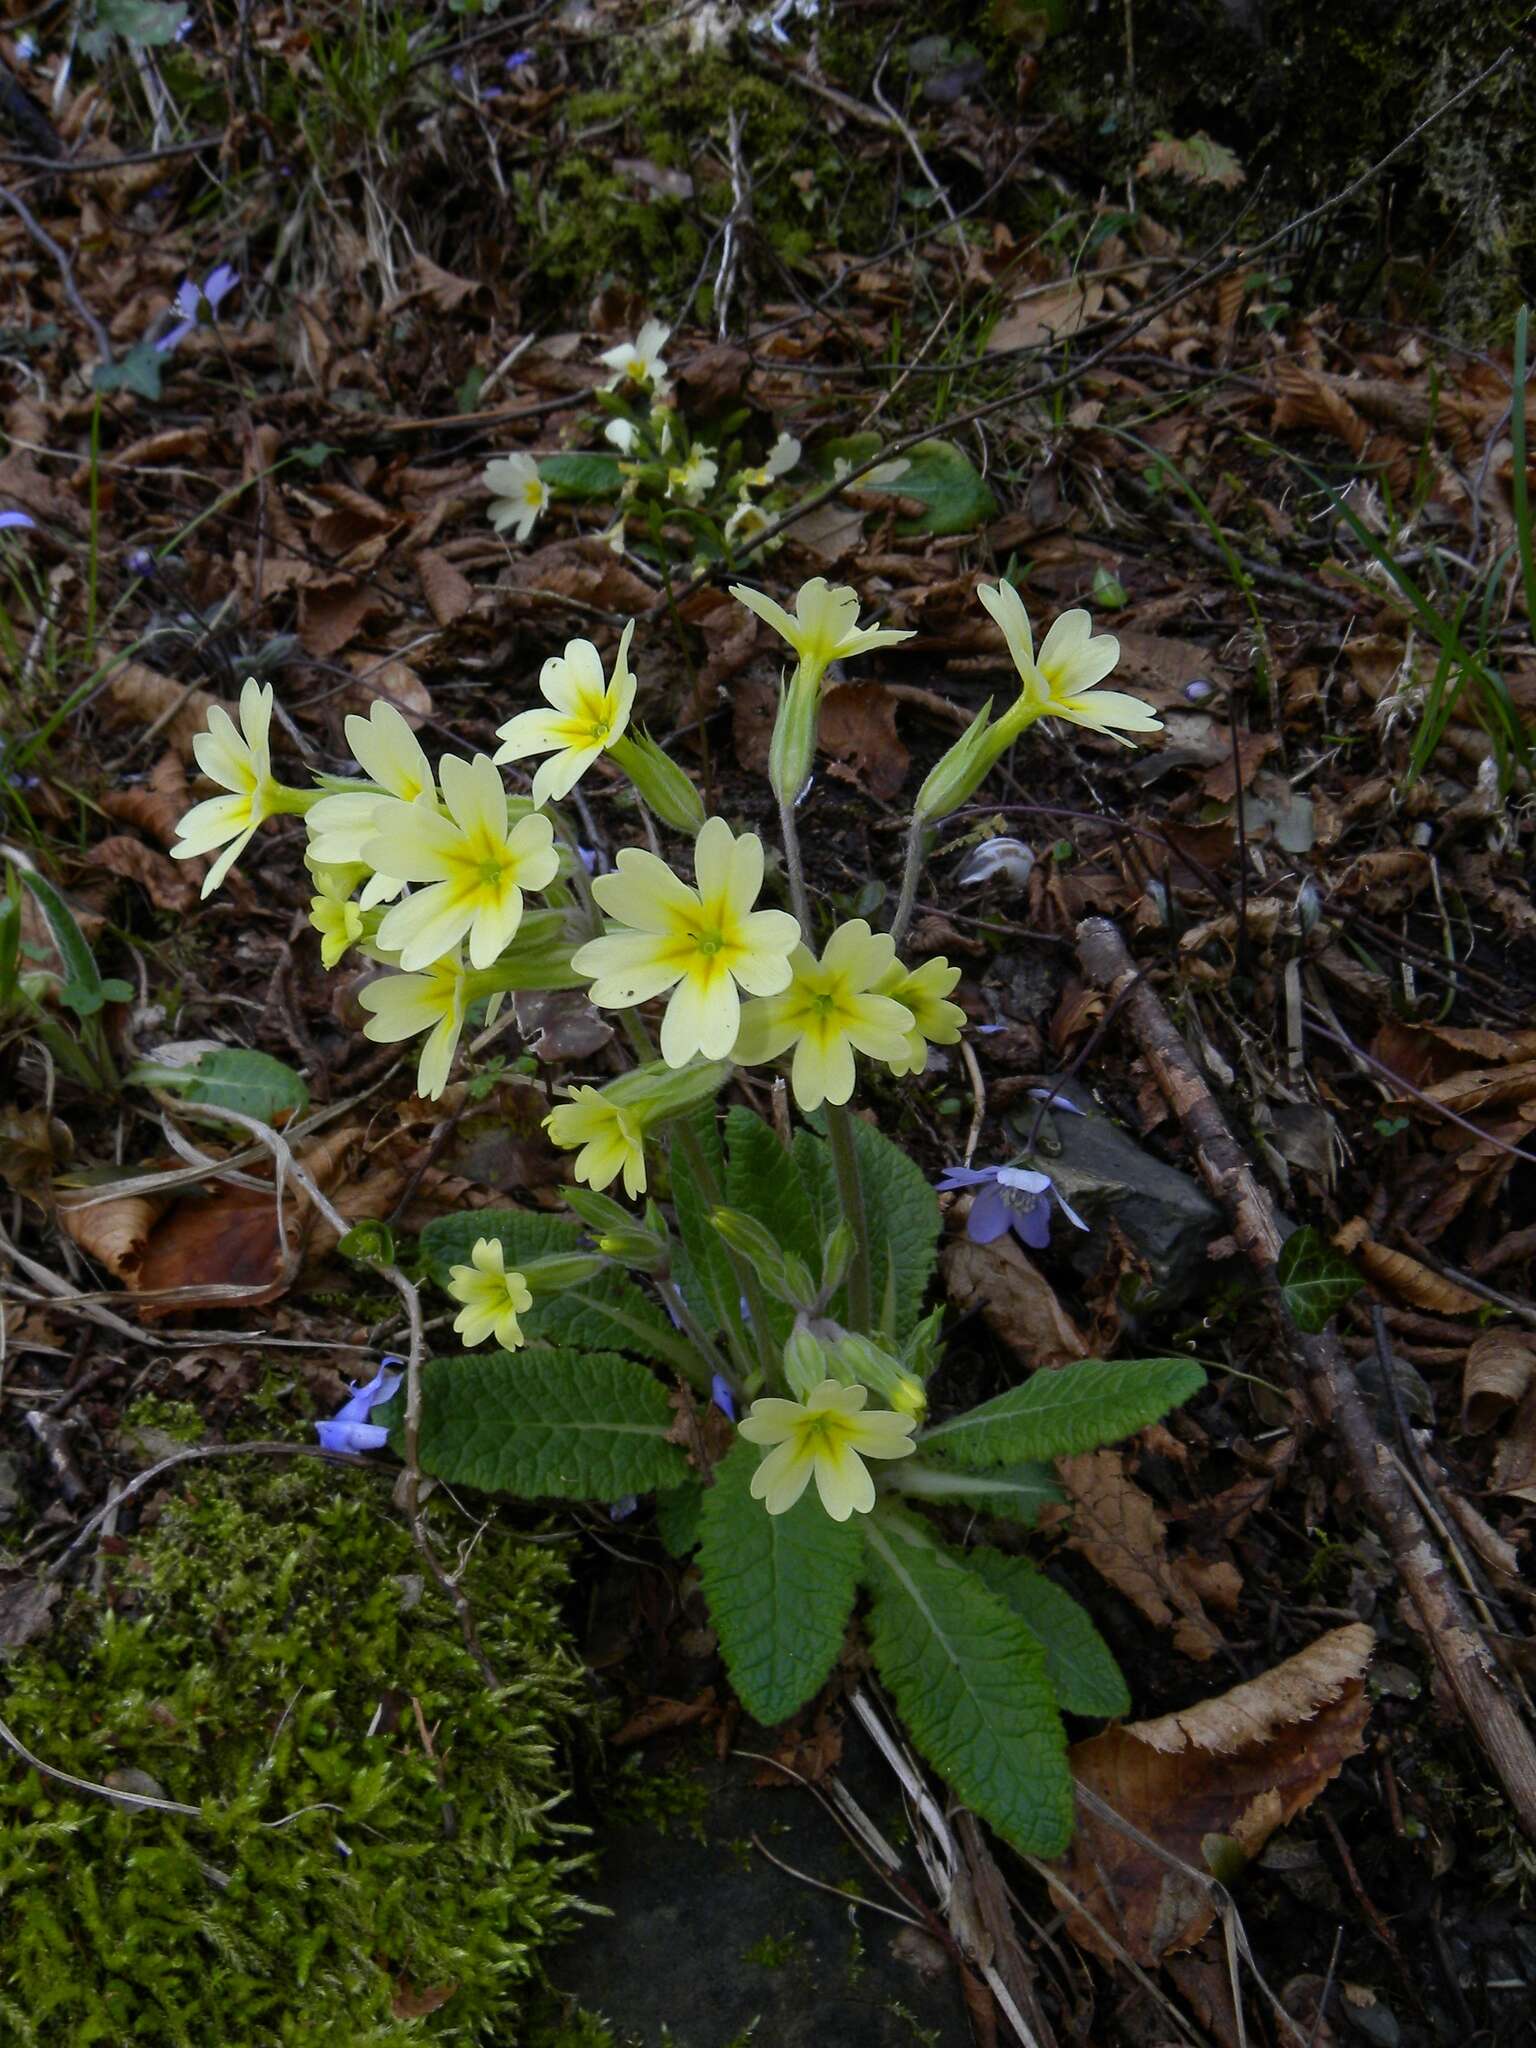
(269, 1649)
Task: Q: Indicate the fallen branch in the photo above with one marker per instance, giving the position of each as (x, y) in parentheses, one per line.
(1326, 1375)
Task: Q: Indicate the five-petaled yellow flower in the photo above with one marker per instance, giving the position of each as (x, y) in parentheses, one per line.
(519, 494)
(611, 1135)
(435, 1002)
(698, 942)
(493, 1298)
(240, 761)
(829, 1010)
(934, 1021)
(587, 716)
(829, 1434)
(825, 627)
(334, 915)
(1059, 682)
(640, 360)
(476, 865)
(341, 825)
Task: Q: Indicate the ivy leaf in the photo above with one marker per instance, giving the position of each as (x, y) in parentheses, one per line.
(228, 1077)
(607, 1312)
(1015, 1492)
(970, 1680)
(1315, 1280)
(544, 1425)
(1078, 1661)
(581, 475)
(1056, 1414)
(900, 1208)
(780, 1588)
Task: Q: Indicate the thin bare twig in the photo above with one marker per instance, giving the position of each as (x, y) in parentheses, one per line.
(45, 241)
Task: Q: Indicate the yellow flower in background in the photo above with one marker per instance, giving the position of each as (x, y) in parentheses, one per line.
(493, 1298)
(700, 942)
(340, 825)
(332, 912)
(239, 759)
(587, 714)
(782, 457)
(692, 480)
(934, 1021)
(611, 1135)
(476, 866)
(1060, 681)
(639, 361)
(825, 626)
(518, 494)
(828, 1435)
(830, 1010)
(404, 1005)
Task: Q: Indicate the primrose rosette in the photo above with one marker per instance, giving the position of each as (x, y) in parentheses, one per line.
(711, 1259)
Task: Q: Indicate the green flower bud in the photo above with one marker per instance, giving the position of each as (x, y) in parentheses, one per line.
(781, 1272)
(806, 1363)
(656, 1091)
(559, 1271)
(667, 788)
(960, 773)
(836, 1257)
(641, 1250)
(599, 1212)
(881, 1373)
(792, 749)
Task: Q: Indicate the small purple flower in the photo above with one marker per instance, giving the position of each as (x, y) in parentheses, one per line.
(587, 855)
(17, 519)
(140, 562)
(1013, 1198)
(624, 1507)
(720, 1393)
(349, 1428)
(518, 59)
(1055, 1101)
(216, 288)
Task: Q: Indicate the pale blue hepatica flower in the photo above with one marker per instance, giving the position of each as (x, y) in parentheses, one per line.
(1009, 1198)
(349, 1428)
(17, 519)
(720, 1393)
(190, 300)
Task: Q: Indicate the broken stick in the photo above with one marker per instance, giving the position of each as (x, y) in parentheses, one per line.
(1325, 1374)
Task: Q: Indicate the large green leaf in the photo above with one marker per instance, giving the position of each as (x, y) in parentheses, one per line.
(1315, 1280)
(1015, 1492)
(900, 1209)
(1057, 1414)
(581, 476)
(780, 1588)
(769, 1184)
(1078, 1661)
(940, 475)
(544, 1425)
(229, 1077)
(703, 1268)
(606, 1312)
(971, 1682)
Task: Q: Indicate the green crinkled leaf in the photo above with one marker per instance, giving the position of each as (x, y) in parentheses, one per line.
(780, 1588)
(938, 473)
(902, 1212)
(702, 1269)
(971, 1682)
(607, 1312)
(229, 1077)
(581, 475)
(679, 1513)
(1078, 1661)
(769, 1184)
(1315, 1280)
(1057, 1414)
(544, 1425)
(1017, 1493)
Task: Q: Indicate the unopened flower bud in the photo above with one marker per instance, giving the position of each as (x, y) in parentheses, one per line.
(662, 784)
(805, 1362)
(957, 775)
(792, 749)
(858, 1358)
(559, 1271)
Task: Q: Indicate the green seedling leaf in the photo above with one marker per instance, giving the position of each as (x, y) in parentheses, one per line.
(139, 371)
(606, 1313)
(1015, 1492)
(82, 990)
(544, 1425)
(1315, 1280)
(581, 476)
(117, 991)
(780, 1588)
(370, 1242)
(900, 1208)
(1078, 1662)
(971, 1682)
(938, 474)
(146, 24)
(229, 1077)
(1057, 1414)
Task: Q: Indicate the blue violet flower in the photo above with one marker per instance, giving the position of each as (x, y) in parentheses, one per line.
(349, 1428)
(1009, 1198)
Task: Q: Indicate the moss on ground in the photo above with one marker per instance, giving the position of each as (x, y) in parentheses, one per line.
(269, 1650)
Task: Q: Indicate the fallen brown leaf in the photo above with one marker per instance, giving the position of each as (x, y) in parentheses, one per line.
(156, 806)
(858, 729)
(448, 591)
(1048, 315)
(1407, 1278)
(167, 886)
(1236, 1766)
(1500, 1367)
(1117, 1527)
(659, 1715)
(1016, 1299)
(141, 696)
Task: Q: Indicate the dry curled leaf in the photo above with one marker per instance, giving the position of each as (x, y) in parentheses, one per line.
(1016, 1299)
(1409, 1279)
(167, 886)
(1117, 1527)
(1500, 1367)
(858, 729)
(448, 591)
(137, 695)
(1236, 1766)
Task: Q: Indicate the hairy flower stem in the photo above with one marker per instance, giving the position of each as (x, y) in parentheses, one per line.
(696, 1334)
(912, 867)
(850, 1188)
(745, 1274)
(799, 901)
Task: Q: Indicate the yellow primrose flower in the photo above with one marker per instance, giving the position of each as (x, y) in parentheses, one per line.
(829, 1009)
(493, 1298)
(435, 1002)
(782, 457)
(334, 915)
(699, 942)
(746, 523)
(691, 481)
(240, 761)
(588, 715)
(825, 625)
(612, 1138)
(640, 360)
(1060, 682)
(828, 1434)
(476, 864)
(518, 494)
(340, 825)
(934, 1022)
